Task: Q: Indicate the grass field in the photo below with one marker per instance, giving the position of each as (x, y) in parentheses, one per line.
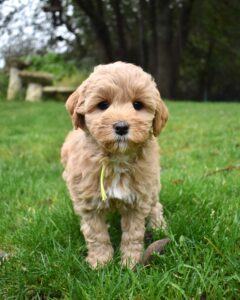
(200, 192)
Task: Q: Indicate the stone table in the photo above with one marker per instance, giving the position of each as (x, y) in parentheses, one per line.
(35, 81)
(59, 92)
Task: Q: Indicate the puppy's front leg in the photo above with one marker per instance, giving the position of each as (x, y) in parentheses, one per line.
(133, 228)
(95, 231)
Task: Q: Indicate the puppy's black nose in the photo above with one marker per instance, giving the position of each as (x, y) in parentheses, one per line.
(121, 128)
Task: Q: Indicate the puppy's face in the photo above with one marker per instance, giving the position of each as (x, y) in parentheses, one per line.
(119, 106)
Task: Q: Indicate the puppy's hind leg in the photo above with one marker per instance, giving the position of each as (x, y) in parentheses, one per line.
(156, 217)
(95, 231)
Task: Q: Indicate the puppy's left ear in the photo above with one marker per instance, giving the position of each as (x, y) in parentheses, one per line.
(161, 116)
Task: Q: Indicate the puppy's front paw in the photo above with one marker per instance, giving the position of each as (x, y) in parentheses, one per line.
(99, 258)
(131, 260)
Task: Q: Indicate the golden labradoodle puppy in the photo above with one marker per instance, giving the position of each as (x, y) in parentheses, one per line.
(111, 158)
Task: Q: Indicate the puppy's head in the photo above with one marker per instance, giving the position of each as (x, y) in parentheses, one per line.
(119, 106)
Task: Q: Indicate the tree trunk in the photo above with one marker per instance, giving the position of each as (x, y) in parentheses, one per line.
(99, 25)
(160, 65)
(156, 42)
(206, 75)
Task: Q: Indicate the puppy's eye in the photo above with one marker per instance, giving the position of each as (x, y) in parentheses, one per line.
(103, 105)
(138, 105)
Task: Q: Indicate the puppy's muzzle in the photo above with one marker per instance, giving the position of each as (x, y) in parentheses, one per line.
(121, 128)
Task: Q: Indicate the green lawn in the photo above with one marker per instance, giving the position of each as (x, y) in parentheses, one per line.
(40, 232)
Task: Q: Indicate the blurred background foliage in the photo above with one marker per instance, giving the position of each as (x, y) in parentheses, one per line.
(191, 47)
(61, 66)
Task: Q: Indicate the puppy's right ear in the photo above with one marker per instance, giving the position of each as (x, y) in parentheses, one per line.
(74, 105)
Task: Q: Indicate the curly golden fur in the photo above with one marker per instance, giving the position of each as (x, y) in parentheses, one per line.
(130, 154)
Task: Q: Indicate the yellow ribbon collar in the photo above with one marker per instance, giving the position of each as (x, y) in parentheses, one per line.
(103, 192)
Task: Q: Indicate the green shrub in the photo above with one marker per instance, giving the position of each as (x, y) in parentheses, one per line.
(3, 84)
(59, 65)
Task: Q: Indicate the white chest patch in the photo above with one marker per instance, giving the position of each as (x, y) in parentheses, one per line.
(120, 188)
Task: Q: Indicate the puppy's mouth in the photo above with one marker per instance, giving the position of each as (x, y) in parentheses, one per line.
(121, 139)
(121, 143)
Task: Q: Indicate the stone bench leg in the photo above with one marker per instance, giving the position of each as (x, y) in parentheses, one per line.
(15, 84)
(34, 92)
